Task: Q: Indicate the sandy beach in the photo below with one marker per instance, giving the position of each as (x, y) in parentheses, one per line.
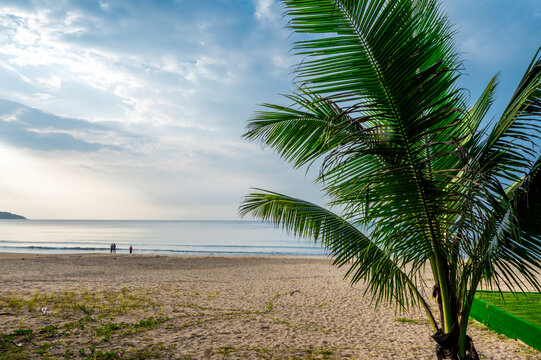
(172, 307)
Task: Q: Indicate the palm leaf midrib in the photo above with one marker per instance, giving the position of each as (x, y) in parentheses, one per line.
(412, 161)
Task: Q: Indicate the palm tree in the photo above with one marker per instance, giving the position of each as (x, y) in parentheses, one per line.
(421, 181)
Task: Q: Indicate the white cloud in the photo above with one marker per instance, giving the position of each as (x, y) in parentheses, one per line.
(285, 62)
(65, 184)
(265, 10)
(12, 117)
(44, 98)
(187, 90)
(105, 6)
(52, 83)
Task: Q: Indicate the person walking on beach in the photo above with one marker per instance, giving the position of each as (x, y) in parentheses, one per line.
(114, 248)
(111, 249)
(131, 249)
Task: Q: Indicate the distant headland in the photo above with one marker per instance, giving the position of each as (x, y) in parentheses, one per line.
(8, 215)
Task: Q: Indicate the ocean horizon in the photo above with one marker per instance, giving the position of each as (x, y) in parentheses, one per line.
(164, 237)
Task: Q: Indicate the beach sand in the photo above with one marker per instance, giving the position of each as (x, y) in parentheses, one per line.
(175, 307)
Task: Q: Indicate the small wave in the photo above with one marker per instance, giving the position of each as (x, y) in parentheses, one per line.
(318, 252)
(77, 249)
(310, 246)
(74, 248)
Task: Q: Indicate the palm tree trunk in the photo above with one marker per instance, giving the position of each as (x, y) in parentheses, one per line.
(456, 344)
(448, 347)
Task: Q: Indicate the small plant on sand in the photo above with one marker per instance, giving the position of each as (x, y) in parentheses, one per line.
(15, 303)
(270, 304)
(44, 347)
(28, 334)
(49, 330)
(81, 300)
(6, 340)
(106, 355)
(226, 350)
(421, 179)
(106, 330)
(409, 321)
(31, 304)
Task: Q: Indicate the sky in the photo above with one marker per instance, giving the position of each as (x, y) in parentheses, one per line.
(134, 109)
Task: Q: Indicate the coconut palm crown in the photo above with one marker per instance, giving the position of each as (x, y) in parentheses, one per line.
(422, 181)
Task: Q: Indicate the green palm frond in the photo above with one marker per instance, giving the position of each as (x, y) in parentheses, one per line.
(347, 245)
(527, 201)
(508, 248)
(522, 245)
(478, 111)
(510, 148)
(304, 131)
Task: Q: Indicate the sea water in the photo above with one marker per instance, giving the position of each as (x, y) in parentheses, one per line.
(182, 237)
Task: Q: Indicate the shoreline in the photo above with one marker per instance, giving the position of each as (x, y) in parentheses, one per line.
(125, 252)
(183, 237)
(193, 307)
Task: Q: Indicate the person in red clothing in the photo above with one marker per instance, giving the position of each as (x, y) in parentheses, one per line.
(131, 249)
